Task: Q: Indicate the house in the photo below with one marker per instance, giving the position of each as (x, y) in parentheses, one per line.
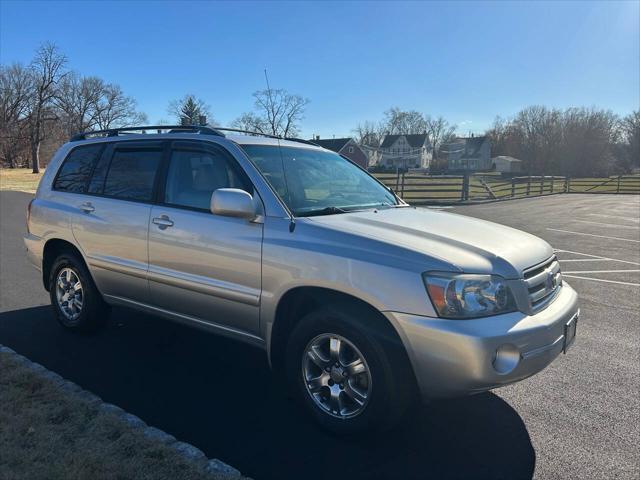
(467, 154)
(505, 164)
(344, 146)
(405, 151)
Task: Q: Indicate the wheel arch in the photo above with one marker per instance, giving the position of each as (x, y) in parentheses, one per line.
(299, 301)
(52, 249)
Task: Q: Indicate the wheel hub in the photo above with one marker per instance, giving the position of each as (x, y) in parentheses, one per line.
(336, 375)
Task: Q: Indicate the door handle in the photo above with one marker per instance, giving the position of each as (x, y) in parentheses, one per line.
(87, 207)
(163, 222)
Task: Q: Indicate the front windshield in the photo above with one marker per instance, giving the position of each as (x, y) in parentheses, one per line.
(317, 182)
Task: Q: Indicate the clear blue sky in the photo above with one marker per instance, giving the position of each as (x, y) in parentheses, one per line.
(466, 61)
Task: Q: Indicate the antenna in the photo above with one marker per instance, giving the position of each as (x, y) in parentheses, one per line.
(292, 220)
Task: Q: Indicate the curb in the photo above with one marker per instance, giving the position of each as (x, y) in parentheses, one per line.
(186, 450)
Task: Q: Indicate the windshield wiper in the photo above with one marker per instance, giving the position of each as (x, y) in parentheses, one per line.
(322, 211)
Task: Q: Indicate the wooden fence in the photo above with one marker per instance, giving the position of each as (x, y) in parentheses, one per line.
(421, 189)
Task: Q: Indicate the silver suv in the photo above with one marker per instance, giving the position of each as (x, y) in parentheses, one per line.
(362, 301)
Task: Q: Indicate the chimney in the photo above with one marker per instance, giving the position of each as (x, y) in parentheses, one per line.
(317, 137)
(202, 119)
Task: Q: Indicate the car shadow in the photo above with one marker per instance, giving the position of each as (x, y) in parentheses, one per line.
(219, 395)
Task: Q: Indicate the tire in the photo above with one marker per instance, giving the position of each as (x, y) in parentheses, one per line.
(77, 307)
(386, 380)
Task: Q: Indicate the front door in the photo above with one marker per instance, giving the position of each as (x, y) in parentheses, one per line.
(204, 266)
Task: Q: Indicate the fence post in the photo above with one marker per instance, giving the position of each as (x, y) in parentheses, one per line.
(513, 187)
(397, 179)
(618, 189)
(528, 185)
(541, 184)
(553, 180)
(402, 194)
(567, 184)
(464, 195)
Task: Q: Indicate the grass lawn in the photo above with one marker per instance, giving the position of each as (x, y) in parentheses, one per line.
(20, 179)
(48, 433)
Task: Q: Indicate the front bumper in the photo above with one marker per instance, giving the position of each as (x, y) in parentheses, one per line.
(458, 357)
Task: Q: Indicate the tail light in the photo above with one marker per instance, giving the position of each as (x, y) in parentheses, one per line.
(29, 214)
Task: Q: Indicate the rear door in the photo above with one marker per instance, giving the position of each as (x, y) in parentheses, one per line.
(202, 265)
(111, 218)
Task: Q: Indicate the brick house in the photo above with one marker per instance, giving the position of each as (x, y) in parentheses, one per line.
(345, 146)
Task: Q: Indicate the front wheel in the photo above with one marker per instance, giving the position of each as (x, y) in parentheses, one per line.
(349, 377)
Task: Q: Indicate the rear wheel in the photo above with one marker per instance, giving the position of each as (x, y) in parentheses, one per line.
(349, 377)
(76, 300)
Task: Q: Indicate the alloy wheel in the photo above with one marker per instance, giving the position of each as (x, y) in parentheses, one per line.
(336, 375)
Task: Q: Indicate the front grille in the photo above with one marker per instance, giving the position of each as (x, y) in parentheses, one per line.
(543, 282)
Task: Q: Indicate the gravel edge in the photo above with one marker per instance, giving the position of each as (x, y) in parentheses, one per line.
(192, 454)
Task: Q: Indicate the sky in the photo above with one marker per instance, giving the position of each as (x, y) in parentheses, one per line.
(468, 62)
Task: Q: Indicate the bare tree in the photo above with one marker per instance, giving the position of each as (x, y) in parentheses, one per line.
(115, 109)
(277, 112)
(400, 122)
(439, 131)
(575, 141)
(630, 126)
(16, 88)
(189, 109)
(369, 133)
(251, 122)
(76, 100)
(47, 69)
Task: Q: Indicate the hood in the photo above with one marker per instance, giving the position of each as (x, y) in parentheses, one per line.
(470, 245)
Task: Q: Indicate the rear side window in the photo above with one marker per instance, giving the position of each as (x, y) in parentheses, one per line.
(77, 168)
(132, 174)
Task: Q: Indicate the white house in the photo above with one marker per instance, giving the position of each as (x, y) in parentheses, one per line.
(470, 154)
(404, 151)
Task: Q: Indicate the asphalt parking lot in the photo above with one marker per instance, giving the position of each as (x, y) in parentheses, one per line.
(579, 418)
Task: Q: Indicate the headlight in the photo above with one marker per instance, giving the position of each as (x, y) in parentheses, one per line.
(467, 296)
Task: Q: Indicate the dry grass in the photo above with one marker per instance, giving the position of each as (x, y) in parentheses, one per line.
(19, 179)
(48, 433)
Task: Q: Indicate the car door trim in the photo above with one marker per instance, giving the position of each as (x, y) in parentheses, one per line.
(182, 318)
(206, 285)
(119, 265)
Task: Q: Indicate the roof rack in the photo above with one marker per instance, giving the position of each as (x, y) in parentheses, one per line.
(201, 129)
(114, 132)
(268, 135)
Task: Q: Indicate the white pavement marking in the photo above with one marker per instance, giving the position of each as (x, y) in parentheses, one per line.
(600, 271)
(592, 235)
(595, 257)
(603, 280)
(606, 215)
(632, 219)
(588, 260)
(632, 227)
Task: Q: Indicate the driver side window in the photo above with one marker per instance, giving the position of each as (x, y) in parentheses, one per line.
(194, 174)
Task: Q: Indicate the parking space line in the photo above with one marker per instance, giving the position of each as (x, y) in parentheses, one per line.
(632, 227)
(588, 260)
(600, 271)
(603, 280)
(593, 235)
(614, 216)
(594, 257)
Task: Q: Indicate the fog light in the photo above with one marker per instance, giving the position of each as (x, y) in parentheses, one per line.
(506, 359)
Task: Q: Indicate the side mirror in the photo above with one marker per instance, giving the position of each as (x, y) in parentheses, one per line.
(233, 202)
